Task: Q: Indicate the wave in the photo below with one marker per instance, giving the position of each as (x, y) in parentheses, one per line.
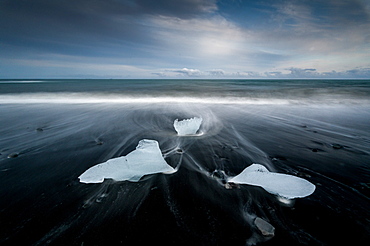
(116, 98)
(20, 81)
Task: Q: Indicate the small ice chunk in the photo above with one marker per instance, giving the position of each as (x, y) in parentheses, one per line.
(146, 159)
(283, 185)
(264, 227)
(187, 126)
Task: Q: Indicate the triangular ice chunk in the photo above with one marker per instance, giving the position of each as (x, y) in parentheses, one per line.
(187, 126)
(283, 185)
(146, 159)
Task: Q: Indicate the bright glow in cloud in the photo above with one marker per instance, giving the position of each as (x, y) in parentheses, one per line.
(200, 37)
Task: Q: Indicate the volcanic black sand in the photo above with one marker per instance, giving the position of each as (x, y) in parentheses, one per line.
(45, 147)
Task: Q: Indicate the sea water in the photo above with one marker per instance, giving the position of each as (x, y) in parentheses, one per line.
(52, 131)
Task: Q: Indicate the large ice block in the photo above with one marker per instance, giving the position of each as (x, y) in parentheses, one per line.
(283, 185)
(187, 126)
(146, 159)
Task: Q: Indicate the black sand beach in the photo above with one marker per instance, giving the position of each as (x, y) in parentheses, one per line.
(44, 147)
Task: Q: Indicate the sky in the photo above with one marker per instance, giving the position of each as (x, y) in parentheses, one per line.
(184, 39)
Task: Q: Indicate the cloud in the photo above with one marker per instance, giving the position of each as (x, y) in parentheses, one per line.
(315, 28)
(203, 42)
(77, 9)
(216, 72)
(89, 27)
(322, 15)
(302, 73)
(294, 72)
(78, 27)
(72, 67)
(190, 72)
(184, 72)
(287, 73)
(361, 73)
(159, 74)
(178, 8)
(262, 38)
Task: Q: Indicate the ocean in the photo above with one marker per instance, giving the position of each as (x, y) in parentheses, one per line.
(52, 131)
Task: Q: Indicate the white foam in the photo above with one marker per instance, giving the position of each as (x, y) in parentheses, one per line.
(187, 126)
(88, 98)
(113, 98)
(283, 185)
(146, 159)
(20, 81)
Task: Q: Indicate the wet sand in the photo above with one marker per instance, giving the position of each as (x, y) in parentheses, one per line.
(45, 147)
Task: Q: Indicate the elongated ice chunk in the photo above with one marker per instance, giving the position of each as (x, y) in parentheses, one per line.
(146, 159)
(283, 185)
(187, 126)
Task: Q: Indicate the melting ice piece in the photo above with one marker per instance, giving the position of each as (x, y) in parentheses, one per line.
(146, 159)
(283, 185)
(187, 126)
(264, 227)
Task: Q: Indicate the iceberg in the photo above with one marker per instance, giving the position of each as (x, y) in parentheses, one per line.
(187, 126)
(283, 185)
(145, 159)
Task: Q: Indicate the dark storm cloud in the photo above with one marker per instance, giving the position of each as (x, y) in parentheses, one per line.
(78, 26)
(60, 27)
(84, 13)
(182, 8)
(74, 10)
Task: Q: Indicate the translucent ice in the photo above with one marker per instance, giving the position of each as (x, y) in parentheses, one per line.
(187, 126)
(283, 185)
(265, 228)
(146, 159)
